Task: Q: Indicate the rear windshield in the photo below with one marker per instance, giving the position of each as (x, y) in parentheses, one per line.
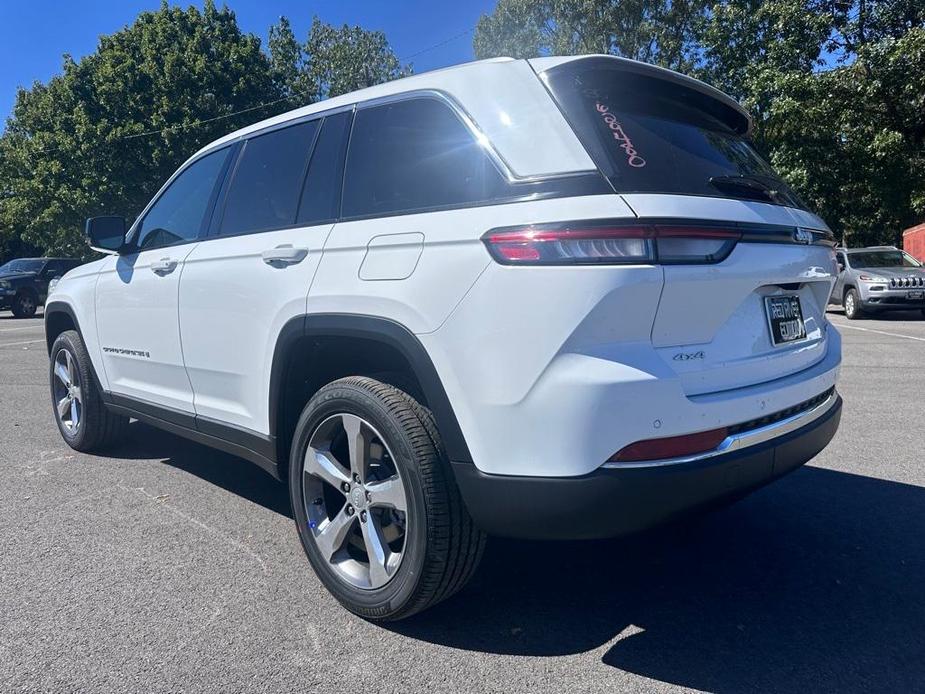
(870, 259)
(652, 136)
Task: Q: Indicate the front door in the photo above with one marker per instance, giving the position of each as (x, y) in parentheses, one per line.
(252, 274)
(137, 292)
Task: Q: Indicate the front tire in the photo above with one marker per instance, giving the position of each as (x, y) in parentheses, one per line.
(375, 505)
(82, 418)
(24, 305)
(852, 305)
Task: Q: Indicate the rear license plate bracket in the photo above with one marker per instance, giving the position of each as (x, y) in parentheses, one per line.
(785, 319)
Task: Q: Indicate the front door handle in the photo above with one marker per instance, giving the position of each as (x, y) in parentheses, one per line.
(164, 266)
(284, 255)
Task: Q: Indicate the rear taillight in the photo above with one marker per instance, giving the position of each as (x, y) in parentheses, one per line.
(583, 243)
(670, 447)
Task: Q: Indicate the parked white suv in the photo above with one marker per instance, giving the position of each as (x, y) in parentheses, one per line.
(555, 298)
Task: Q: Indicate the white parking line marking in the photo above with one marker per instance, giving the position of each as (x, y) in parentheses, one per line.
(24, 342)
(881, 332)
(25, 327)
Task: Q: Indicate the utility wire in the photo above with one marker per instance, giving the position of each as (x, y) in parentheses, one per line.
(438, 45)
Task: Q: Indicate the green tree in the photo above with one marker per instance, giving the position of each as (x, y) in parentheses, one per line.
(837, 88)
(348, 58)
(290, 63)
(655, 31)
(103, 135)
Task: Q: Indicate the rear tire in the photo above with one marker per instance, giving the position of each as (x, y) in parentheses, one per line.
(852, 304)
(82, 418)
(25, 304)
(393, 491)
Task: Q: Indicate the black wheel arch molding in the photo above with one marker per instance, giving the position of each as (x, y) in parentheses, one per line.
(55, 311)
(374, 329)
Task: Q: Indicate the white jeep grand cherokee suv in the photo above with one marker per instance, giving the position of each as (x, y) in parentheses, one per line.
(552, 298)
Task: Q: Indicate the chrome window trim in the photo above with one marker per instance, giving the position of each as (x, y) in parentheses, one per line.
(742, 440)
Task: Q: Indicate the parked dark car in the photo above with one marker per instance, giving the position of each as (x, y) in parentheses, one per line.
(24, 282)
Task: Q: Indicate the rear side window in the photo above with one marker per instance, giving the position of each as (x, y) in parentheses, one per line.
(414, 155)
(321, 192)
(267, 181)
(649, 135)
(177, 215)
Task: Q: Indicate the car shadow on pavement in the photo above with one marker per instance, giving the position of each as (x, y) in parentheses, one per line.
(812, 584)
(229, 472)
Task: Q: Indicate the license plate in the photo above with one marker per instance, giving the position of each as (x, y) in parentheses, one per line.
(785, 318)
(915, 295)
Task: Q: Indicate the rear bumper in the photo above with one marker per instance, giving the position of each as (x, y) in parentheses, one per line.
(619, 501)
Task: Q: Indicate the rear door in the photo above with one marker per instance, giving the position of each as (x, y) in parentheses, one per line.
(252, 274)
(679, 154)
(136, 294)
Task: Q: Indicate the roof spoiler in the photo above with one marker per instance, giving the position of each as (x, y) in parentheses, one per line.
(738, 116)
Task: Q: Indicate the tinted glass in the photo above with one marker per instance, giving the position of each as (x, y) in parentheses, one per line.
(414, 155)
(55, 268)
(652, 136)
(871, 259)
(264, 193)
(321, 193)
(22, 265)
(176, 216)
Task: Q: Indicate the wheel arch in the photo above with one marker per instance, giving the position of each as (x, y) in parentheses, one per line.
(59, 316)
(307, 348)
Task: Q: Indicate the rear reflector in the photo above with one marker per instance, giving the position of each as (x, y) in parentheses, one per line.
(622, 243)
(670, 447)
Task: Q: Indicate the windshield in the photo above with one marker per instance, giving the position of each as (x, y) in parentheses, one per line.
(652, 136)
(870, 259)
(22, 265)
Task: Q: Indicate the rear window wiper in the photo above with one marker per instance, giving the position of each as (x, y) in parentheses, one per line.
(759, 189)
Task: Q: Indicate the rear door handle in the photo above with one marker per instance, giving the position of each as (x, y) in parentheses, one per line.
(164, 266)
(284, 255)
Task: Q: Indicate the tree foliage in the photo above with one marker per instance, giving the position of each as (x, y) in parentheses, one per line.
(837, 87)
(103, 135)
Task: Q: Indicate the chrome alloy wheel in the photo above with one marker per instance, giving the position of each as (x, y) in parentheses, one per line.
(849, 304)
(357, 512)
(67, 392)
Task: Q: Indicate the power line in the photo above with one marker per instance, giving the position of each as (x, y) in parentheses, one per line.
(437, 45)
(184, 126)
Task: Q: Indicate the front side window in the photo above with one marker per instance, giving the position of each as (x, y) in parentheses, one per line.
(873, 259)
(264, 193)
(177, 215)
(414, 155)
(648, 135)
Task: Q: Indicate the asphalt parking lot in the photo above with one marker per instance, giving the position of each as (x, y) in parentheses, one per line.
(165, 566)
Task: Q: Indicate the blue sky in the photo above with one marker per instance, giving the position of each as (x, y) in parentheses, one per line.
(35, 34)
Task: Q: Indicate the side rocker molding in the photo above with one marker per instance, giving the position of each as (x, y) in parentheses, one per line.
(380, 330)
(240, 442)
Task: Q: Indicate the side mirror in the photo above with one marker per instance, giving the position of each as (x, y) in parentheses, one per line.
(106, 234)
(841, 267)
